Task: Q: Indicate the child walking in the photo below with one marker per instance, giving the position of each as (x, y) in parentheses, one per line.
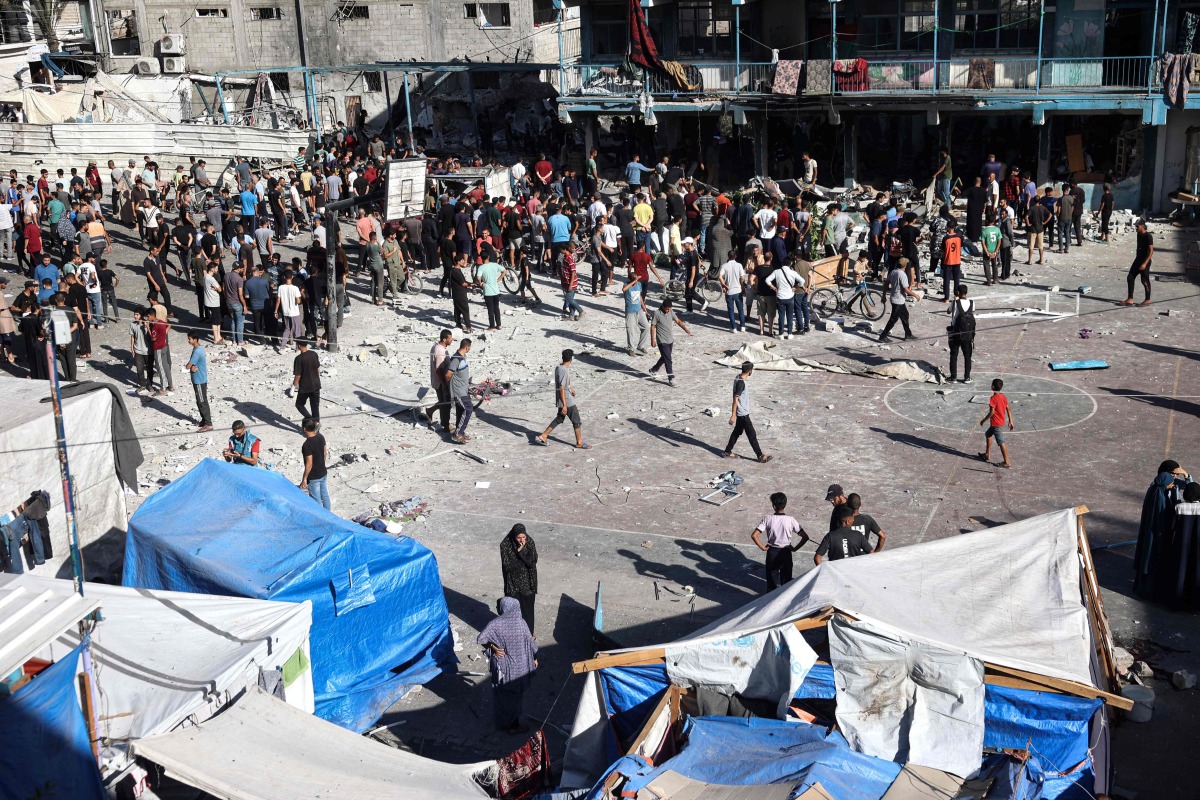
(998, 412)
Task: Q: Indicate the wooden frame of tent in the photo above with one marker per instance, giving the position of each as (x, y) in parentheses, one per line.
(994, 674)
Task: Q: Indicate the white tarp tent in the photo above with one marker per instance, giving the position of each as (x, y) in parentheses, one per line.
(163, 658)
(27, 437)
(1012, 596)
(263, 749)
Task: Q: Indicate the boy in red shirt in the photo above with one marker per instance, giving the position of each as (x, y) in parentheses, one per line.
(998, 412)
(161, 350)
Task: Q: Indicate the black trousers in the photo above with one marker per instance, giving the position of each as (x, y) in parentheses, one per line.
(746, 426)
(527, 604)
(462, 311)
(899, 314)
(493, 308)
(1132, 278)
(429, 253)
(665, 360)
(951, 277)
(967, 346)
(313, 402)
(201, 390)
(442, 407)
(507, 699)
(779, 566)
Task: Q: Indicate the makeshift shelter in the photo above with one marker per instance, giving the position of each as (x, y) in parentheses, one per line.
(104, 454)
(379, 617)
(930, 656)
(161, 658)
(262, 749)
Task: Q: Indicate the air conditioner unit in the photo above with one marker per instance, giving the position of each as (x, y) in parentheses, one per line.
(146, 66)
(174, 64)
(171, 45)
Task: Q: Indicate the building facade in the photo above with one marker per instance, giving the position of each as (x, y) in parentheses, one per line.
(872, 88)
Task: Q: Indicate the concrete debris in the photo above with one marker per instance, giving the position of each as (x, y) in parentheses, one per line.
(648, 544)
(362, 355)
(1183, 679)
(1141, 669)
(382, 350)
(251, 350)
(1122, 659)
(903, 370)
(712, 412)
(611, 416)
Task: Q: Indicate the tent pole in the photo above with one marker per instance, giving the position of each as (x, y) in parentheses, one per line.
(64, 464)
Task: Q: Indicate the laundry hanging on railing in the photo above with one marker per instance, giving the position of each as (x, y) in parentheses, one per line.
(642, 50)
(850, 75)
(787, 77)
(1177, 77)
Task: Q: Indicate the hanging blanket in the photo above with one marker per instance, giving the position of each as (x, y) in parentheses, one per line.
(1177, 77)
(816, 77)
(981, 74)
(787, 77)
(850, 75)
(526, 771)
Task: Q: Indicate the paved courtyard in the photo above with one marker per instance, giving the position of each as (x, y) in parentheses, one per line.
(626, 514)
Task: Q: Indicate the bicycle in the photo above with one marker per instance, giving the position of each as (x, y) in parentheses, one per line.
(413, 283)
(710, 286)
(828, 301)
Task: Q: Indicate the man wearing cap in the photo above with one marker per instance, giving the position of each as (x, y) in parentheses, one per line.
(243, 447)
(842, 541)
(836, 495)
(739, 417)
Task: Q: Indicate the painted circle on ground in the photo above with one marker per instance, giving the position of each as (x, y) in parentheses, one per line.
(1038, 404)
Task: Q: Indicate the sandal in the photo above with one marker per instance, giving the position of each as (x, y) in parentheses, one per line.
(539, 442)
(764, 459)
(982, 457)
(1002, 465)
(584, 446)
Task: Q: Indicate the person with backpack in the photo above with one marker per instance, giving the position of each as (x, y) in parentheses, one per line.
(961, 333)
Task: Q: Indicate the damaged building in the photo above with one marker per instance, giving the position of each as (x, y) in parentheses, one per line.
(872, 88)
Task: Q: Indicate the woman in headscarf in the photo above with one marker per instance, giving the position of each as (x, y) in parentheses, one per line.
(511, 651)
(518, 563)
(1150, 560)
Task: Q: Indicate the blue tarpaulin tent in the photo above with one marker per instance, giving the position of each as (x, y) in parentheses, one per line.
(46, 752)
(380, 622)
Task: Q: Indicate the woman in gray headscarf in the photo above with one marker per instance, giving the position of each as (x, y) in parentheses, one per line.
(511, 651)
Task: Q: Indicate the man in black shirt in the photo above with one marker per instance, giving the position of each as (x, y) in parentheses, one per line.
(843, 541)
(315, 454)
(306, 381)
(837, 495)
(1140, 268)
(864, 523)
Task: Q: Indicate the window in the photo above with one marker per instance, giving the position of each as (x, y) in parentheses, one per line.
(354, 12)
(610, 31)
(282, 81)
(896, 26)
(212, 12)
(266, 13)
(705, 28)
(374, 81)
(123, 32)
(995, 25)
(488, 15)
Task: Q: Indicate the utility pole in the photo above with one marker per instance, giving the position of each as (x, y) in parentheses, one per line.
(333, 235)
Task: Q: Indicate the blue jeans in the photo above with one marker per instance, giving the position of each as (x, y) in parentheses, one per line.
(733, 302)
(94, 304)
(803, 310)
(943, 190)
(569, 305)
(704, 238)
(319, 490)
(237, 324)
(784, 309)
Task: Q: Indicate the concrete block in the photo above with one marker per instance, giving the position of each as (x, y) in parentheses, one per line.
(1123, 660)
(1182, 679)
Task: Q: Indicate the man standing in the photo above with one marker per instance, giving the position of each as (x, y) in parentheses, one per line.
(990, 238)
(564, 400)
(635, 315)
(739, 417)
(898, 291)
(306, 381)
(733, 279)
(198, 365)
(842, 541)
(663, 337)
(235, 301)
(952, 247)
(779, 529)
(162, 350)
(808, 171)
(634, 171)
(457, 375)
(961, 333)
(1066, 211)
(1038, 216)
(315, 480)
(1140, 268)
(289, 303)
(865, 523)
(438, 355)
(944, 175)
(998, 411)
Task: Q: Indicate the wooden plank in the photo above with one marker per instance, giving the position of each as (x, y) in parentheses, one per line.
(1101, 630)
(663, 704)
(1016, 683)
(1065, 686)
(1081, 510)
(1075, 159)
(658, 655)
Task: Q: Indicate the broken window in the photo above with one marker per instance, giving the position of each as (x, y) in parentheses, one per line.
(705, 28)
(123, 31)
(266, 13)
(216, 13)
(374, 81)
(282, 81)
(15, 24)
(354, 12)
(489, 15)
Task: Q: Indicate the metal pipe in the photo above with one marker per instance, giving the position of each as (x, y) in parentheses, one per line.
(221, 98)
(64, 463)
(387, 93)
(937, 23)
(332, 305)
(1037, 87)
(562, 87)
(1153, 37)
(833, 48)
(737, 45)
(303, 62)
(408, 113)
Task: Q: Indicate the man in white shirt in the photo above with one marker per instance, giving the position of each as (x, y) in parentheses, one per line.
(785, 281)
(7, 247)
(733, 277)
(597, 209)
(808, 171)
(766, 219)
(288, 302)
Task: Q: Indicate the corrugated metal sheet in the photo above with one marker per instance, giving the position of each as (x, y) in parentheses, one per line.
(102, 141)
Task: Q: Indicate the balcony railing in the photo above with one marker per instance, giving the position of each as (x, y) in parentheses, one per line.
(959, 75)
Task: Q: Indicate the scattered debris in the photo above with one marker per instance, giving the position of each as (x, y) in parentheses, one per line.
(1085, 333)
(1183, 679)
(1059, 366)
(483, 484)
(1141, 669)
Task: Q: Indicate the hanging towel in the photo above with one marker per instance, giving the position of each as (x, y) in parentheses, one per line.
(1177, 77)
